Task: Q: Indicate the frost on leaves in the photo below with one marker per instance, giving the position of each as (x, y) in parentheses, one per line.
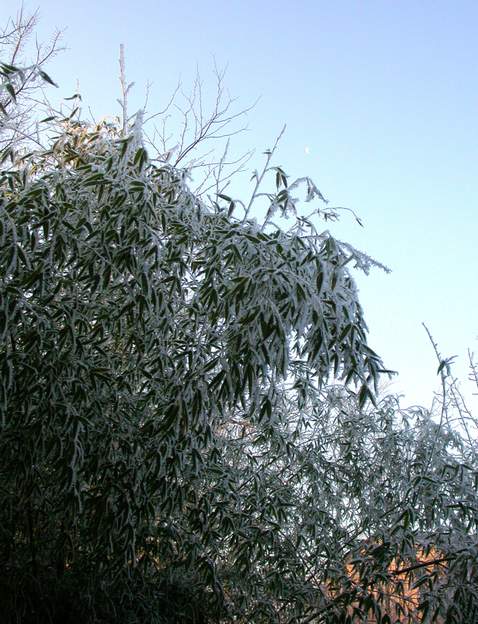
(165, 421)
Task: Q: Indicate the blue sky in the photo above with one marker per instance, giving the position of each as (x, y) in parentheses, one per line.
(384, 96)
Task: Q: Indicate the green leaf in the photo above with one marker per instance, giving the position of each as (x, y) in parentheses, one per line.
(10, 89)
(46, 77)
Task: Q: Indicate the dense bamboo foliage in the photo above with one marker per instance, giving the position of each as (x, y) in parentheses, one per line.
(172, 447)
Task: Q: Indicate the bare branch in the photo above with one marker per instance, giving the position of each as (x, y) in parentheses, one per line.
(125, 89)
(22, 81)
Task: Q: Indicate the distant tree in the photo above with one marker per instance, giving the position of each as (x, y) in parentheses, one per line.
(188, 425)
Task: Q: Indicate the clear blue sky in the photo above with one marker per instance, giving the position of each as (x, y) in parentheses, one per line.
(383, 94)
